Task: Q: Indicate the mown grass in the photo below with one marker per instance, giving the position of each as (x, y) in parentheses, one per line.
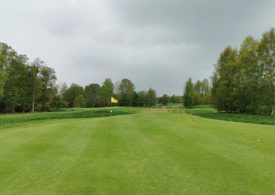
(7, 120)
(144, 153)
(208, 112)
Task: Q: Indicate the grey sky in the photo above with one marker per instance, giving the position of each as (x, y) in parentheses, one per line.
(155, 43)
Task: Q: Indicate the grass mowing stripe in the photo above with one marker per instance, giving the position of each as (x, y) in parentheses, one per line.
(99, 157)
(44, 160)
(153, 153)
(14, 155)
(245, 165)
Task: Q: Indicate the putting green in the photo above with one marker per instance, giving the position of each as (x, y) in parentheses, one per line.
(146, 153)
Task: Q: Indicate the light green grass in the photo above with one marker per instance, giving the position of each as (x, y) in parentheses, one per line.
(146, 153)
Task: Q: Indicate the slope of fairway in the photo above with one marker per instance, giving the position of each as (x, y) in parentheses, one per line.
(148, 153)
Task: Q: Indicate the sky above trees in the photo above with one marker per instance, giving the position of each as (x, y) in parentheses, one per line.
(156, 43)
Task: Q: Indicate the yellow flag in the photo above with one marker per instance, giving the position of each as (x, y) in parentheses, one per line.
(114, 100)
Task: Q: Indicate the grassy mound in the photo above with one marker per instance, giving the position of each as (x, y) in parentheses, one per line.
(10, 119)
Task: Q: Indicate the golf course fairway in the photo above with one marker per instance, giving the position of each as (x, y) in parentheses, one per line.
(144, 153)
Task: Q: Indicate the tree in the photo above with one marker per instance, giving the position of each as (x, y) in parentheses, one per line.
(62, 90)
(58, 103)
(142, 98)
(173, 99)
(80, 102)
(48, 89)
(106, 92)
(206, 92)
(249, 85)
(266, 52)
(198, 93)
(17, 96)
(24, 85)
(135, 99)
(189, 94)
(176, 99)
(151, 98)
(73, 91)
(225, 81)
(92, 92)
(244, 81)
(201, 92)
(126, 91)
(165, 100)
(34, 71)
(2, 82)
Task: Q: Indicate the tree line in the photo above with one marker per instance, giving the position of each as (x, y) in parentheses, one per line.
(31, 86)
(165, 100)
(94, 95)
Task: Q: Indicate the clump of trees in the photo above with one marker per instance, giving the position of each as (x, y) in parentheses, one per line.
(166, 99)
(25, 86)
(95, 95)
(196, 94)
(124, 91)
(244, 79)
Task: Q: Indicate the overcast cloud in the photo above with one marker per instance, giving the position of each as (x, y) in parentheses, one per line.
(155, 43)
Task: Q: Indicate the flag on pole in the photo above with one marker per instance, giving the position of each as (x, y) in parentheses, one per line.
(114, 100)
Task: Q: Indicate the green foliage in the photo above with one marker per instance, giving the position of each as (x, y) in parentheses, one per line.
(47, 88)
(24, 86)
(126, 90)
(2, 82)
(202, 93)
(142, 98)
(32, 87)
(223, 80)
(135, 98)
(165, 100)
(72, 93)
(189, 94)
(244, 81)
(151, 98)
(57, 103)
(80, 102)
(176, 99)
(92, 93)
(106, 92)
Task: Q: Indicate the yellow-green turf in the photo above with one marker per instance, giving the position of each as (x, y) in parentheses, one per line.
(145, 153)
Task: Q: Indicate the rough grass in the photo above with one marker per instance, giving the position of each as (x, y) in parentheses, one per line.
(208, 112)
(145, 153)
(8, 120)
